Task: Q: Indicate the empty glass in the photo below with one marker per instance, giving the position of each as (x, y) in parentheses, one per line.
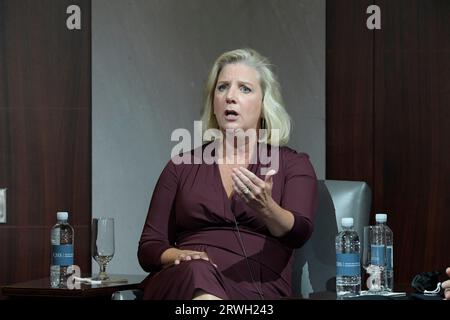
(102, 244)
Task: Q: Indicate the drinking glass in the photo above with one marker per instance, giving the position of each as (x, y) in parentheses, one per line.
(102, 244)
(373, 258)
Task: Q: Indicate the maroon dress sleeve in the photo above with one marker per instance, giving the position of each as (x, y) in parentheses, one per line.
(158, 232)
(299, 197)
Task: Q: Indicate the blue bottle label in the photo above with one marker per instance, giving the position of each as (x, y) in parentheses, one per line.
(389, 257)
(377, 254)
(62, 255)
(348, 264)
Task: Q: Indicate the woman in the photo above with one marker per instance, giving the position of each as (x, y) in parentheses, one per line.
(226, 230)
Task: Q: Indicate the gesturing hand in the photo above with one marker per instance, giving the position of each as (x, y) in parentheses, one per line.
(255, 192)
(446, 285)
(188, 255)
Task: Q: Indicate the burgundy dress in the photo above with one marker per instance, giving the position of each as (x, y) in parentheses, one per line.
(190, 210)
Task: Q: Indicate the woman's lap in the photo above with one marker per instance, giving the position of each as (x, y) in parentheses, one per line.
(180, 282)
(231, 280)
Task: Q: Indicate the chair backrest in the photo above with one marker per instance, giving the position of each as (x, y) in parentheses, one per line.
(315, 263)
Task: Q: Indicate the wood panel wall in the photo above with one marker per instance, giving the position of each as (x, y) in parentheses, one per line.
(398, 142)
(45, 132)
(349, 91)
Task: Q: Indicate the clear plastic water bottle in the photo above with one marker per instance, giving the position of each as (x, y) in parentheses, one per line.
(62, 251)
(387, 278)
(348, 263)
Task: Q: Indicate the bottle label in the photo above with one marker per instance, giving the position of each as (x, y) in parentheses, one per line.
(62, 255)
(348, 264)
(377, 254)
(389, 257)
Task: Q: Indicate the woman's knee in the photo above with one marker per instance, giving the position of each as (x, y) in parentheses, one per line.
(202, 295)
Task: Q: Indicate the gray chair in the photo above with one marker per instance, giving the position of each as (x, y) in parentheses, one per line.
(315, 263)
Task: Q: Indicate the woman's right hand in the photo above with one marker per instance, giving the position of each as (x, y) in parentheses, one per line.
(188, 255)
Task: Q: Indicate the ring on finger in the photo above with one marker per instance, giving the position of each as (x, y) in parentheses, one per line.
(246, 190)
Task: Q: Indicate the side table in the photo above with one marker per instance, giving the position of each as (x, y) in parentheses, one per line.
(41, 289)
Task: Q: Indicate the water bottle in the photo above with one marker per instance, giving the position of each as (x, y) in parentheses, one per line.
(348, 263)
(387, 278)
(62, 251)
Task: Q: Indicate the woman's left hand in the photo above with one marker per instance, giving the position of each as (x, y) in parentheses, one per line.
(256, 193)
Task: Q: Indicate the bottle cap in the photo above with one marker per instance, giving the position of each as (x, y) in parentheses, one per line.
(381, 217)
(62, 215)
(347, 222)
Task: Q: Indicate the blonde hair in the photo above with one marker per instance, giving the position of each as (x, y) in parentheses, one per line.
(273, 111)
